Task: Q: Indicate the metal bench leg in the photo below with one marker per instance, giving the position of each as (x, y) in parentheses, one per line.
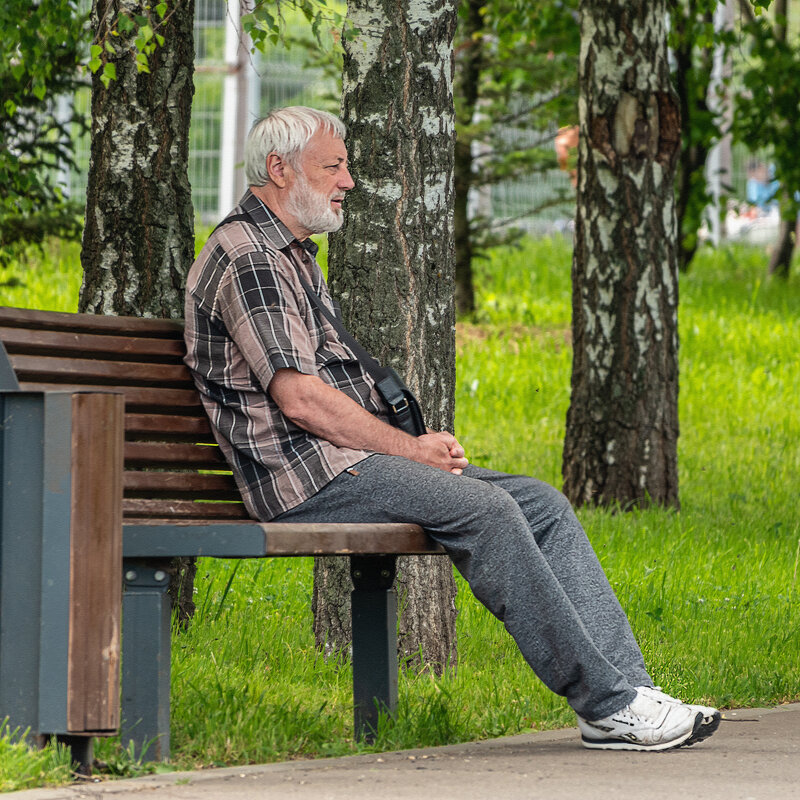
(374, 610)
(145, 660)
(81, 750)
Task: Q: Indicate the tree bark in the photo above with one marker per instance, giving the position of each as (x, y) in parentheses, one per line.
(691, 85)
(138, 240)
(622, 424)
(392, 267)
(780, 260)
(469, 59)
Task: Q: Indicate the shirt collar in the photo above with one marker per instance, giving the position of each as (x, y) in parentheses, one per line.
(271, 226)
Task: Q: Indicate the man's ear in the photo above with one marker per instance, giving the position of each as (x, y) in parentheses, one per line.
(275, 170)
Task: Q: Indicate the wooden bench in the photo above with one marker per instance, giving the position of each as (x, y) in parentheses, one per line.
(178, 499)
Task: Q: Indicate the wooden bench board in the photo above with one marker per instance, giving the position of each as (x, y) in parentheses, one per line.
(251, 539)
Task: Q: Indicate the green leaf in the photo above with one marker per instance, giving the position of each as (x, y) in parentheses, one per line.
(125, 23)
(94, 65)
(110, 48)
(160, 39)
(11, 108)
(109, 71)
(161, 10)
(95, 50)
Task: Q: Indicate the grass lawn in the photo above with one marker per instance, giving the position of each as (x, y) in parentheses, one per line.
(711, 591)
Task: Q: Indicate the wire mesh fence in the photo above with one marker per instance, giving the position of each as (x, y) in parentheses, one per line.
(233, 87)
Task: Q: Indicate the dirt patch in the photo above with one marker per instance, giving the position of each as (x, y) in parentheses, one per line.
(468, 332)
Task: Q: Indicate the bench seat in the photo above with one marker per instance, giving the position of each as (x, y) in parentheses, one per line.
(179, 499)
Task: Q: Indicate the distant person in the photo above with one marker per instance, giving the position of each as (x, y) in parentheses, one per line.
(306, 434)
(762, 188)
(566, 142)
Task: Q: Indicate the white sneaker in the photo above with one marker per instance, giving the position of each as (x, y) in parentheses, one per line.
(647, 723)
(711, 716)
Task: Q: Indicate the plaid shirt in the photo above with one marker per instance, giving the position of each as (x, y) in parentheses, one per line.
(247, 316)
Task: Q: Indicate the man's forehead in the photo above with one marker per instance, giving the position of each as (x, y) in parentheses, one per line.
(324, 146)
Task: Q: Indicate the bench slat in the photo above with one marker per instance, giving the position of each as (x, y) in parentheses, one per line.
(142, 398)
(174, 454)
(180, 485)
(232, 540)
(87, 323)
(133, 508)
(49, 368)
(194, 428)
(90, 345)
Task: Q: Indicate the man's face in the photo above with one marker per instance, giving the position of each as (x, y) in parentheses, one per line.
(318, 184)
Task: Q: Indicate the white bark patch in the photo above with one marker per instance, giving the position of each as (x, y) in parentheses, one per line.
(644, 467)
(658, 175)
(436, 191)
(605, 229)
(391, 191)
(440, 66)
(628, 111)
(365, 50)
(421, 14)
(588, 30)
(608, 456)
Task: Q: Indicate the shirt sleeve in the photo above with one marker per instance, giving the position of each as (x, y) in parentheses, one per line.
(259, 306)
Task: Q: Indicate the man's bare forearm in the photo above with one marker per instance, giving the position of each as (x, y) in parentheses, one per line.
(331, 415)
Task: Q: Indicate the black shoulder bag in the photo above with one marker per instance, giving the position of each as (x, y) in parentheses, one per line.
(404, 410)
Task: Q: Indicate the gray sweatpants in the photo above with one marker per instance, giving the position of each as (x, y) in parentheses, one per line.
(525, 556)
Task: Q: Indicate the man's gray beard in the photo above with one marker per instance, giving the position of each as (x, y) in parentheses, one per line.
(312, 209)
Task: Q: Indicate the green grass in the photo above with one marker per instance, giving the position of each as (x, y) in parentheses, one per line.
(23, 768)
(711, 591)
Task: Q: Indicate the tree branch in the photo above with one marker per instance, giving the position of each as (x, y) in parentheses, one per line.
(747, 11)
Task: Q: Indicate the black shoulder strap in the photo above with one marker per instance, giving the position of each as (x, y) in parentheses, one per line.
(369, 363)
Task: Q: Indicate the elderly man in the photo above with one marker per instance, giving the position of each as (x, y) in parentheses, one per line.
(307, 437)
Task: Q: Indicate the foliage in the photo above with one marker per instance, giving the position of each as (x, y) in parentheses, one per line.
(516, 79)
(42, 44)
(25, 767)
(267, 22)
(767, 109)
(527, 81)
(712, 592)
(141, 34)
(695, 43)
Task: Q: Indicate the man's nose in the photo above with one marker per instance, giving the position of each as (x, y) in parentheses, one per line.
(346, 181)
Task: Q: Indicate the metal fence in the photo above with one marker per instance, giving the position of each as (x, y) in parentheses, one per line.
(233, 87)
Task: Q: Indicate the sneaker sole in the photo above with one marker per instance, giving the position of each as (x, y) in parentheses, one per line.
(627, 744)
(705, 730)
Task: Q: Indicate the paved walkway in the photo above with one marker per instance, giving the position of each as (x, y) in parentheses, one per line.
(755, 755)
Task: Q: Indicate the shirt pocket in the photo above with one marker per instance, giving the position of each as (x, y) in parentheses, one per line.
(332, 352)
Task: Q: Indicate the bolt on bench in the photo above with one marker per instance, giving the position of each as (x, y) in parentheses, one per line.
(174, 497)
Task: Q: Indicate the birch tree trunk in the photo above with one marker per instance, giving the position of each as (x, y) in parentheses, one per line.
(467, 79)
(392, 268)
(622, 424)
(138, 240)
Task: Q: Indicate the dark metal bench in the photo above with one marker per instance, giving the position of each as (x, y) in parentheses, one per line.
(172, 469)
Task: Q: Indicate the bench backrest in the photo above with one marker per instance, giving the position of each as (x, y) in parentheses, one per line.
(173, 468)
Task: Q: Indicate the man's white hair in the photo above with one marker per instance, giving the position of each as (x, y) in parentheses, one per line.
(285, 131)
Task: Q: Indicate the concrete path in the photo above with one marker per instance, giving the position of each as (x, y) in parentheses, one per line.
(755, 755)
